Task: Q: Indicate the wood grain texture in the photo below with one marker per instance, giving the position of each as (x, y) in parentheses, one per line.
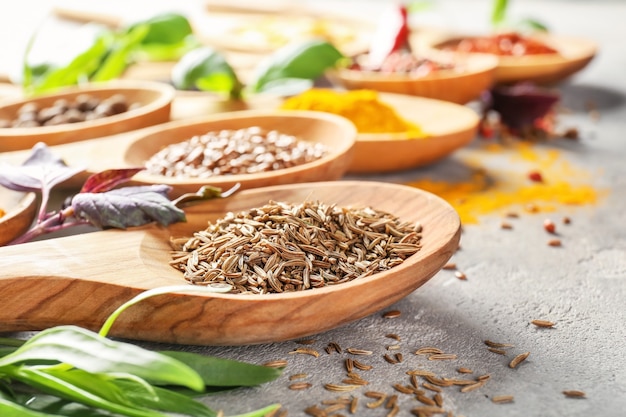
(82, 279)
(154, 99)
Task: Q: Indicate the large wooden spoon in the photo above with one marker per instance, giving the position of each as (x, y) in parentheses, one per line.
(81, 279)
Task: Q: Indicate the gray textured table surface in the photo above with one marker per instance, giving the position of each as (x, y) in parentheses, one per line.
(513, 276)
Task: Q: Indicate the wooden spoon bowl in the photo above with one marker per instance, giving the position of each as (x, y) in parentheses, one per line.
(573, 55)
(19, 212)
(153, 102)
(448, 127)
(473, 75)
(81, 279)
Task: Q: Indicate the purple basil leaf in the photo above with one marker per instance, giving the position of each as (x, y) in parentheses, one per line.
(42, 170)
(521, 104)
(127, 207)
(107, 180)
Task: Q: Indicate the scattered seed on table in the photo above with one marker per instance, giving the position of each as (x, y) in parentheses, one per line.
(354, 403)
(438, 399)
(483, 377)
(349, 364)
(315, 411)
(496, 350)
(297, 386)
(380, 399)
(392, 401)
(442, 356)
(306, 351)
(554, 242)
(333, 346)
(425, 400)
(431, 387)
(518, 359)
(511, 215)
(403, 389)
(389, 359)
(543, 323)
(355, 351)
(428, 351)
(497, 345)
(549, 226)
(566, 220)
(506, 226)
(464, 370)
(472, 387)
(460, 275)
(392, 314)
(502, 399)
(297, 376)
(421, 372)
(450, 266)
(574, 394)
(276, 364)
(340, 387)
(393, 336)
(361, 366)
(427, 410)
(399, 357)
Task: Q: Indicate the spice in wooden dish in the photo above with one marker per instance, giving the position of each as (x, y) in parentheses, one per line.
(282, 247)
(233, 152)
(362, 107)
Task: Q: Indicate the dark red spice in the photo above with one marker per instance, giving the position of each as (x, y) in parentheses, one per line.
(549, 226)
(535, 176)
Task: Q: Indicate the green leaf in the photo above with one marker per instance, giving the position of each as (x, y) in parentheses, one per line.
(120, 53)
(498, 12)
(60, 387)
(11, 409)
(51, 406)
(225, 372)
(304, 60)
(531, 25)
(206, 69)
(91, 352)
(164, 29)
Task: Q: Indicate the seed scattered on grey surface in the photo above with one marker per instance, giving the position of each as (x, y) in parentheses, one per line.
(393, 336)
(404, 389)
(428, 351)
(399, 357)
(394, 410)
(497, 345)
(340, 387)
(438, 399)
(333, 347)
(425, 400)
(315, 411)
(518, 359)
(306, 351)
(276, 363)
(464, 370)
(431, 387)
(392, 314)
(450, 266)
(355, 351)
(354, 403)
(421, 372)
(555, 242)
(506, 226)
(427, 410)
(496, 350)
(300, 386)
(460, 275)
(442, 356)
(543, 323)
(502, 399)
(389, 359)
(380, 399)
(361, 366)
(574, 393)
(472, 387)
(567, 220)
(298, 376)
(511, 214)
(483, 377)
(349, 364)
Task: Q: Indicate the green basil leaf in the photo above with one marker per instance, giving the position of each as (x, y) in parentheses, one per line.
(164, 29)
(91, 352)
(206, 69)
(531, 24)
(225, 372)
(120, 54)
(11, 409)
(166, 52)
(305, 60)
(498, 12)
(60, 387)
(164, 400)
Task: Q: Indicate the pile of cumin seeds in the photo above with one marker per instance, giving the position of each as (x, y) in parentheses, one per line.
(283, 247)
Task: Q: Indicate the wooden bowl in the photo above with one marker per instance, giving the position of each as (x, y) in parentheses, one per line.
(574, 54)
(19, 212)
(154, 101)
(134, 149)
(474, 75)
(448, 127)
(105, 269)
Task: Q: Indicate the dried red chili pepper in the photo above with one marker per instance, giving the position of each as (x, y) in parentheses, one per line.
(392, 35)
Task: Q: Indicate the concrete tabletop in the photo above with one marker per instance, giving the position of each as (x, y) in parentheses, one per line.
(512, 275)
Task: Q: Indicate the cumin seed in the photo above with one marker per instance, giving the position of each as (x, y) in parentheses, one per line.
(574, 394)
(300, 386)
(306, 351)
(543, 323)
(518, 359)
(502, 399)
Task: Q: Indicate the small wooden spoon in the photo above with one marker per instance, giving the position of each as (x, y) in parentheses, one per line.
(81, 279)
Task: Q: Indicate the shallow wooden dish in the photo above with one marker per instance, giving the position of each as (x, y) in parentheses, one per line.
(448, 127)
(105, 269)
(154, 100)
(574, 55)
(474, 75)
(134, 149)
(20, 209)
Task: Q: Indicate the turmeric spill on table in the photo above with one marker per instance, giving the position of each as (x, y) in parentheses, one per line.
(496, 189)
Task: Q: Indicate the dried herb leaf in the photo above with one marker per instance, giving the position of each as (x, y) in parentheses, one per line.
(41, 171)
(107, 180)
(127, 207)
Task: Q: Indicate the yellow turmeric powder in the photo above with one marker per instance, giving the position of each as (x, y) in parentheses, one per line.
(490, 190)
(361, 107)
